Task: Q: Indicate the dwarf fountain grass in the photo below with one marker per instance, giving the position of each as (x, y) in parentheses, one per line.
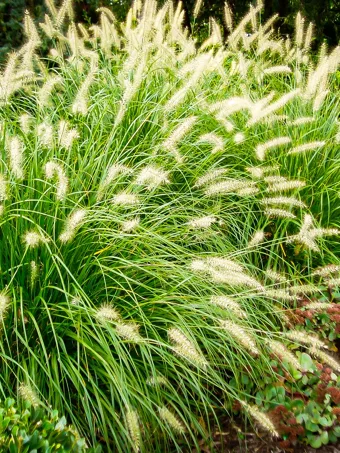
(146, 239)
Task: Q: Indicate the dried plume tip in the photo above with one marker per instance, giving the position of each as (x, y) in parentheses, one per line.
(171, 419)
(262, 419)
(240, 335)
(73, 223)
(186, 349)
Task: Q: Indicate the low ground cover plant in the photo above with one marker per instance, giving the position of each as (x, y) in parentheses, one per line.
(169, 218)
(30, 428)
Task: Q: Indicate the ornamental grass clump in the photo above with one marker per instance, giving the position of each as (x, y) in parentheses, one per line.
(159, 201)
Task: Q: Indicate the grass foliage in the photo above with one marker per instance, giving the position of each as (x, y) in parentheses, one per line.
(150, 191)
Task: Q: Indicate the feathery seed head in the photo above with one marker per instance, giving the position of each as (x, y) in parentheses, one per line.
(318, 306)
(202, 222)
(259, 172)
(258, 238)
(125, 199)
(303, 337)
(239, 138)
(28, 394)
(275, 276)
(209, 177)
(45, 134)
(261, 149)
(281, 213)
(229, 186)
(73, 222)
(132, 423)
(280, 294)
(228, 304)
(214, 140)
(4, 305)
(107, 312)
(283, 353)
(262, 419)
(171, 420)
(129, 332)
(3, 188)
(285, 185)
(186, 349)
(326, 358)
(15, 151)
(53, 169)
(152, 177)
(34, 272)
(66, 136)
(25, 123)
(32, 239)
(155, 381)
(291, 201)
(240, 335)
(306, 147)
(130, 225)
(304, 289)
(328, 270)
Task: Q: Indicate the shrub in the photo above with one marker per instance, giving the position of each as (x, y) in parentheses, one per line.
(32, 429)
(150, 244)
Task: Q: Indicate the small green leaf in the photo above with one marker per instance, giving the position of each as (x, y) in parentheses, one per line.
(315, 441)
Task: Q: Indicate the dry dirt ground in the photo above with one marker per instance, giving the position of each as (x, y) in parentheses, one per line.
(235, 440)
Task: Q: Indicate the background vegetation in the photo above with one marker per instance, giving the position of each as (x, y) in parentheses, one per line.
(324, 14)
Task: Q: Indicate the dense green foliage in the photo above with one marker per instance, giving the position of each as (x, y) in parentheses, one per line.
(169, 222)
(31, 429)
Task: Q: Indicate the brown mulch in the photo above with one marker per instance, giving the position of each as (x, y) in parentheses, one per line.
(233, 439)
